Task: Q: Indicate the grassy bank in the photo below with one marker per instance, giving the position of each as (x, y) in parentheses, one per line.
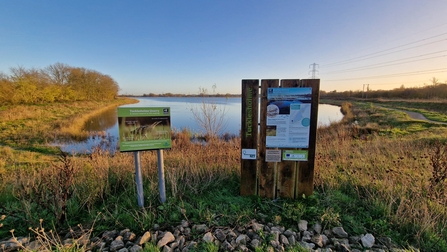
(34, 126)
(397, 166)
(378, 172)
(435, 109)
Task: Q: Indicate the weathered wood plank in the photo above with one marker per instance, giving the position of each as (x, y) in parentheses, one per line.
(267, 171)
(287, 171)
(305, 180)
(249, 135)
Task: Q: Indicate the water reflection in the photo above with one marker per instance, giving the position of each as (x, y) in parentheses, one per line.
(102, 121)
(104, 133)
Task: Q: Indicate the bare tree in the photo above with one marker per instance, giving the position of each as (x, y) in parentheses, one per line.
(58, 73)
(210, 116)
(434, 81)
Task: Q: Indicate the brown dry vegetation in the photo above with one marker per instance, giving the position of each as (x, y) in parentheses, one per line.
(401, 167)
(378, 171)
(394, 173)
(24, 125)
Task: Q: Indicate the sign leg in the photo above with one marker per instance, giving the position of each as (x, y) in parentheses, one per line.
(139, 179)
(161, 176)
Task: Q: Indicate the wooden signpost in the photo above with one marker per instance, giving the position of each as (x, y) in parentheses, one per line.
(249, 136)
(279, 161)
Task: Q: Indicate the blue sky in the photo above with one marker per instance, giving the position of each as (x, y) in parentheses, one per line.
(180, 46)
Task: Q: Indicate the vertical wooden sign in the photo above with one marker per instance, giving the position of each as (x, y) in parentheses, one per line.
(287, 171)
(249, 136)
(305, 180)
(263, 171)
(267, 170)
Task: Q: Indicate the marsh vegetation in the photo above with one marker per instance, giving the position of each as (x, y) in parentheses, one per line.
(377, 171)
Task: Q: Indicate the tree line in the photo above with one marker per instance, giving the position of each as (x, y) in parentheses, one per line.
(227, 95)
(56, 83)
(435, 90)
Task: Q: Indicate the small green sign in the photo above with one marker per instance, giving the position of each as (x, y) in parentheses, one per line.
(294, 155)
(144, 128)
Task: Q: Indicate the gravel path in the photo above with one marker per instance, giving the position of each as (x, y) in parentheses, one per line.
(418, 116)
(415, 115)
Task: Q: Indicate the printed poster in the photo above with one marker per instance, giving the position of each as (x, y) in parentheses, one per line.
(144, 128)
(295, 155)
(288, 117)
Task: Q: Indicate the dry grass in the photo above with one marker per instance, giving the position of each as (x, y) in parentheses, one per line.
(393, 172)
(189, 167)
(403, 174)
(380, 169)
(27, 124)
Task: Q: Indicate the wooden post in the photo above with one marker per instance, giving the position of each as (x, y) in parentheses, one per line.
(267, 171)
(287, 169)
(305, 181)
(249, 135)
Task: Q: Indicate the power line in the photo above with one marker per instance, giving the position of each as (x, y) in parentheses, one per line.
(416, 33)
(393, 83)
(397, 39)
(438, 70)
(396, 47)
(363, 57)
(384, 64)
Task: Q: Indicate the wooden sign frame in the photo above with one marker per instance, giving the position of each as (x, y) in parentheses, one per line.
(288, 178)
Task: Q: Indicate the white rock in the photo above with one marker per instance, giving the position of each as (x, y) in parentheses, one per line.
(302, 225)
(116, 245)
(208, 237)
(241, 239)
(368, 241)
(339, 232)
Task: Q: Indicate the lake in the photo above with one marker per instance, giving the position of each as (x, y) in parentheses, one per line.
(104, 127)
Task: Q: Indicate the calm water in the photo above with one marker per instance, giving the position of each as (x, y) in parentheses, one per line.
(104, 127)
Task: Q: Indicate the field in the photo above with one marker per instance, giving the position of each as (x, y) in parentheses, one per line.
(377, 171)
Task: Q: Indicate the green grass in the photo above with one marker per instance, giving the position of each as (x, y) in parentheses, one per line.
(370, 176)
(25, 125)
(432, 110)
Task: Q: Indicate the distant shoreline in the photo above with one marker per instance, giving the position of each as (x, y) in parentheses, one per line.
(182, 95)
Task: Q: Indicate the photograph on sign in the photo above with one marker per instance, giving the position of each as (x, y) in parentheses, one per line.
(272, 155)
(288, 117)
(249, 154)
(144, 128)
(295, 155)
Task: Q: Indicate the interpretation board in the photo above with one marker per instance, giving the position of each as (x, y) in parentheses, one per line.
(144, 128)
(287, 135)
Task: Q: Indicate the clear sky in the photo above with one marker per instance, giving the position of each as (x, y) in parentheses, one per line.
(182, 45)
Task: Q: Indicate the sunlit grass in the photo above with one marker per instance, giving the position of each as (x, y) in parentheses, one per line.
(39, 124)
(435, 110)
(373, 174)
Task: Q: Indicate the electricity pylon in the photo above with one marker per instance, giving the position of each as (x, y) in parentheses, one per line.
(314, 69)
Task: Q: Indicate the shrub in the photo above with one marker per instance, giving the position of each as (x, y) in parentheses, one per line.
(438, 179)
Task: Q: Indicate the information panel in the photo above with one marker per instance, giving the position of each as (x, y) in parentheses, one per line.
(295, 155)
(144, 128)
(272, 155)
(288, 117)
